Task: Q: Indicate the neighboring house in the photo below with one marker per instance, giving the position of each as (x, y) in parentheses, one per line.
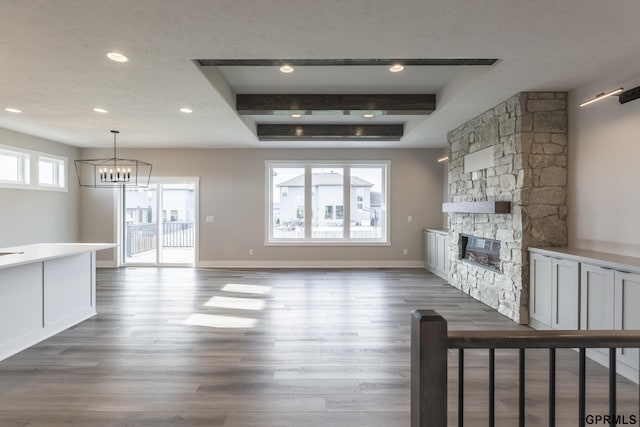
(327, 200)
(177, 205)
(376, 208)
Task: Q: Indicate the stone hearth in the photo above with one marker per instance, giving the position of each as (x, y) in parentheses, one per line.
(528, 134)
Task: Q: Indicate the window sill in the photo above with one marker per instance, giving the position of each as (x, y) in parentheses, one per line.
(326, 243)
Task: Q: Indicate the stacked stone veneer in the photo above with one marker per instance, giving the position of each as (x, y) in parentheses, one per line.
(528, 133)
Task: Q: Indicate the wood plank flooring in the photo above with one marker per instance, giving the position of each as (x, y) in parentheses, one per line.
(285, 348)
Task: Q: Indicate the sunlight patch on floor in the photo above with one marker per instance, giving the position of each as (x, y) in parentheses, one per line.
(236, 303)
(216, 321)
(247, 289)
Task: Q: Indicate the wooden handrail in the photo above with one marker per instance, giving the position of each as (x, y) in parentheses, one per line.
(543, 339)
(430, 341)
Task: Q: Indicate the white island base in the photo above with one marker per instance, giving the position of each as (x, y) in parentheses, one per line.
(45, 289)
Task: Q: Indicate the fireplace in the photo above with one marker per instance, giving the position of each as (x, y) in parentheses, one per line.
(480, 251)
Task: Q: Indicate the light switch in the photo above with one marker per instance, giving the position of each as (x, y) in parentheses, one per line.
(210, 218)
(409, 218)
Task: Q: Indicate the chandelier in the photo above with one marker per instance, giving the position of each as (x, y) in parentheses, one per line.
(113, 172)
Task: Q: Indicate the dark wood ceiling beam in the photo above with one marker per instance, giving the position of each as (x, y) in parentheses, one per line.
(345, 62)
(403, 104)
(285, 132)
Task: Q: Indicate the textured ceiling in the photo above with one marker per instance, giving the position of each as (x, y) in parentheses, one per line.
(53, 64)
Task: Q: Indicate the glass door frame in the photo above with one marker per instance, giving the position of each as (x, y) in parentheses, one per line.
(159, 181)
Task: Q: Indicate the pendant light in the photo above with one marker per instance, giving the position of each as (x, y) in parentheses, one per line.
(113, 172)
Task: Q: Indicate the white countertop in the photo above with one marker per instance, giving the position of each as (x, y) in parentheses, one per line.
(437, 230)
(603, 259)
(43, 251)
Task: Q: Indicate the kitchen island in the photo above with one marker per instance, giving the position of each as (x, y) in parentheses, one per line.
(45, 288)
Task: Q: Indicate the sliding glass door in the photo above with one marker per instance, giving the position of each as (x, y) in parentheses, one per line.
(159, 224)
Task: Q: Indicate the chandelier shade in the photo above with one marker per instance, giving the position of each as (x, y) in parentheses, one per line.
(113, 172)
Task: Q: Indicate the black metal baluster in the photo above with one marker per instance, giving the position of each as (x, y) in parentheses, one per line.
(612, 385)
(581, 388)
(492, 386)
(552, 387)
(461, 387)
(521, 388)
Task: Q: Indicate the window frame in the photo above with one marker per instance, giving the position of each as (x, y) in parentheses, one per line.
(56, 161)
(346, 240)
(29, 178)
(23, 168)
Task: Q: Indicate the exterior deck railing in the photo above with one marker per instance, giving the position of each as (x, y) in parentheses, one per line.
(430, 342)
(142, 238)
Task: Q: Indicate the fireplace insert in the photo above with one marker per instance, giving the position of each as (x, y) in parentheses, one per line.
(485, 252)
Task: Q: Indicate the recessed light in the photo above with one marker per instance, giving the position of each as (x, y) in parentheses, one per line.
(367, 115)
(396, 68)
(186, 110)
(286, 68)
(100, 110)
(12, 110)
(296, 115)
(117, 56)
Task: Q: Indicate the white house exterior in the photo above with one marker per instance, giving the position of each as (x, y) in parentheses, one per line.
(327, 200)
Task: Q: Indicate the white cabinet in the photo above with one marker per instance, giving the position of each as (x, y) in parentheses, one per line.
(540, 290)
(431, 250)
(572, 288)
(553, 292)
(565, 287)
(626, 313)
(441, 252)
(436, 258)
(596, 297)
(447, 256)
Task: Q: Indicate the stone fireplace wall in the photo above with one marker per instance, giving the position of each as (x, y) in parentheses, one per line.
(528, 133)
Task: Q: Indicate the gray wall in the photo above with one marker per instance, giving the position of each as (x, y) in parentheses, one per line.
(232, 189)
(34, 216)
(604, 176)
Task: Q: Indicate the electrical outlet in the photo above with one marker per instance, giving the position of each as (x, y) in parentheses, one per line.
(405, 252)
(409, 219)
(251, 252)
(210, 218)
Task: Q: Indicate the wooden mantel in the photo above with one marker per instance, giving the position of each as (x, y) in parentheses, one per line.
(495, 207)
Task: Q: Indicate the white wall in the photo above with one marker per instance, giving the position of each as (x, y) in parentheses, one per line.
(232, 189)
(604, 169)
(34, 216)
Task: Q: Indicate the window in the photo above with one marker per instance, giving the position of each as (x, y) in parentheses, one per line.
(51, 172)
(32, 170)
(315, 203)
(287, 213)
(14, 167)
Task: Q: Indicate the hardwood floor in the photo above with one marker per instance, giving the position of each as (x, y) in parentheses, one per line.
(303, 348)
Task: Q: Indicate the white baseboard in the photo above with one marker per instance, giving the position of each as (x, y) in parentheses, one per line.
(106, 264)
(310, 264)
(293, 264)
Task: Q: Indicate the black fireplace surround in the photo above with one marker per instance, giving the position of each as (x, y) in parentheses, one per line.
(481, 251)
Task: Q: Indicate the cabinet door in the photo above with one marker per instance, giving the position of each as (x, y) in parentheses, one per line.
(627, 315)
(447, 260)
(431, 257)
(596, 297)
(425, 248)
(565, 295)
(540, 288)
(440, 252)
